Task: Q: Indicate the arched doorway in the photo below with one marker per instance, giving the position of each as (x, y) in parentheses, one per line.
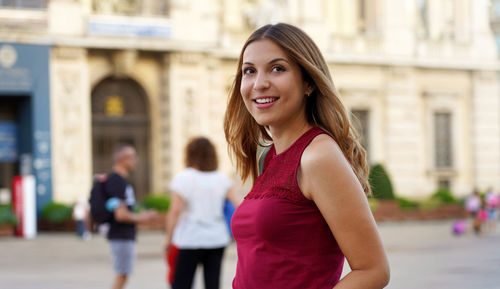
(120, 115)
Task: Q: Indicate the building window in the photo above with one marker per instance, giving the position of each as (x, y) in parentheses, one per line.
(443, 140)
(367, 14)
(361, 122)
(24, 4)
(444, 184)
(362, 15)
(495, 8)
(423, 18)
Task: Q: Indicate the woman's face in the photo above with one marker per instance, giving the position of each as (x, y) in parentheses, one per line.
(272, 86)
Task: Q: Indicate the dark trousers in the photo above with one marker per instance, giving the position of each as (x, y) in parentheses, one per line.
(188, 260)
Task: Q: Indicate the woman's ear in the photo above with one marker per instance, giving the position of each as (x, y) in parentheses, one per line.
(309, 88)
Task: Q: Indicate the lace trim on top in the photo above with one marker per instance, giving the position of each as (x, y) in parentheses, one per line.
(278, 193)
(279, 181)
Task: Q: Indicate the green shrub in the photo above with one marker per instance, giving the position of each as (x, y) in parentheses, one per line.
(7, 216)
(445, 196)
(431, 204)
(373, 204)
(406, 204)
(56, 213)
(381, 183)
(160, 203)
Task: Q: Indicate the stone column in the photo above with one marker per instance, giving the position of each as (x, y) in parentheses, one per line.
(71, 122)
(403, 156)
(495, 27)
(187, 89)
(197, 100)
(165, 124)
(486, 129)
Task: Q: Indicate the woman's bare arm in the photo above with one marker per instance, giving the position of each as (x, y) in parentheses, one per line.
(326, 177)
(176, 208)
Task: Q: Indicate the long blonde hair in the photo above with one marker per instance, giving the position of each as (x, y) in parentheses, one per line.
(323, 106)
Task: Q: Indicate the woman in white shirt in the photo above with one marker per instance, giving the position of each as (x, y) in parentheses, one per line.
(196, 222)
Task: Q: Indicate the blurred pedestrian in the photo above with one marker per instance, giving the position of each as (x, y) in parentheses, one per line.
(122, 227)
(492, 201)
(473, 207)
(195, 222)
(81, 211)
(308, 208)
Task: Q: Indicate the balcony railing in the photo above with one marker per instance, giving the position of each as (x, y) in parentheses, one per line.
(13, 20)
(130, 7)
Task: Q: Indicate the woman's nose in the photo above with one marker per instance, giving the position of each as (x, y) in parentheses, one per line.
(261, 82)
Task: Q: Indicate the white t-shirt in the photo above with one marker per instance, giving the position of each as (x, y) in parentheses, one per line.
(202, 224)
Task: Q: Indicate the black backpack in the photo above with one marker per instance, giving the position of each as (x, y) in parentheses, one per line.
(98, 198)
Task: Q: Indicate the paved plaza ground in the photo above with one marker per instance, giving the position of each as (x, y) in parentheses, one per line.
(422, 255)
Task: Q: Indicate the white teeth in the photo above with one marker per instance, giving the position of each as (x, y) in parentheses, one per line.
(265, 100)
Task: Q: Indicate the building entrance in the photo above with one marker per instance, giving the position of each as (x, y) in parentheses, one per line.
(120, 116)
(15, 140)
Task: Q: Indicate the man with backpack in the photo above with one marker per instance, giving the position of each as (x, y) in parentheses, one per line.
(116, 197)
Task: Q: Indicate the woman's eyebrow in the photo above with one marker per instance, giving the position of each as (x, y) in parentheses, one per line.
(278, 59)
(272, 61)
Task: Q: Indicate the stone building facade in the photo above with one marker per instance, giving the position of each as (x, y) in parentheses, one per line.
(420, 76)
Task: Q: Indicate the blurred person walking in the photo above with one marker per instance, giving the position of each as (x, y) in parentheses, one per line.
(80, 214)
(308, 209)
(122, 226)
(492, 200)
(473, 205)
(195, 222)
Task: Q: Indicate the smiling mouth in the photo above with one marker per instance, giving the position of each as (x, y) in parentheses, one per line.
(266, 100)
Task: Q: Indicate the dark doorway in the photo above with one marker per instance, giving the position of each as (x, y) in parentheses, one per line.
(120, 116)
(15, 138)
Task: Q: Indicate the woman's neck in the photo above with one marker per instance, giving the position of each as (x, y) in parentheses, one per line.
(284, 136)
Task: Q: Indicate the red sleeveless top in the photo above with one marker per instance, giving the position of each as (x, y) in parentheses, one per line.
(282, 239)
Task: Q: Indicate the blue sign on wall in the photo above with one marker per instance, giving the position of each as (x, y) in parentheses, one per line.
(8, 141)
(24, 73)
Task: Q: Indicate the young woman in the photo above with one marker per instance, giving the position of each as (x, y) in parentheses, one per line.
(308, 209)
(195, 222)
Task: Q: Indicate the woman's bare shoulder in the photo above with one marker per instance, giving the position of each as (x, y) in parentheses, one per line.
(322, 153)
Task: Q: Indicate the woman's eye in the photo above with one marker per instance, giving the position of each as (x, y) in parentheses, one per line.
(278, 68)
(248, 70)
